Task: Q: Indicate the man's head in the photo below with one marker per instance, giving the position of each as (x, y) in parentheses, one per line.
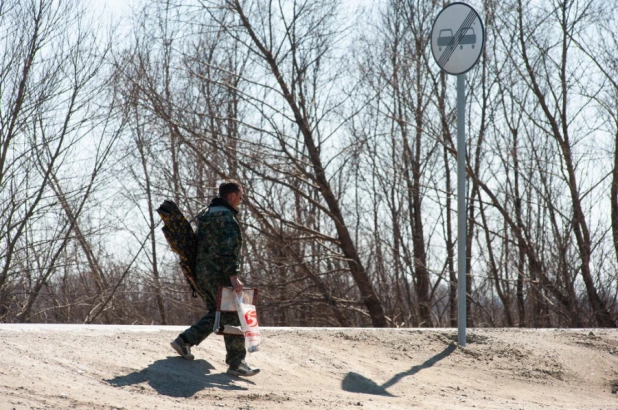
(231, 191)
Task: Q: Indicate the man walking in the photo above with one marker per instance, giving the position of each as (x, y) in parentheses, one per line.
(219, 240)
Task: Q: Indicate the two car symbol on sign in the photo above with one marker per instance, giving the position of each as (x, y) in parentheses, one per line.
(467, 36)
(456, 27)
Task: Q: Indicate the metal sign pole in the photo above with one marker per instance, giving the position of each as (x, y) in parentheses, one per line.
(457, 41)
(461, 209)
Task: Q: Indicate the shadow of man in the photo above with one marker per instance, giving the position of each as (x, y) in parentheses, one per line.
(356, 383)
(177, 377)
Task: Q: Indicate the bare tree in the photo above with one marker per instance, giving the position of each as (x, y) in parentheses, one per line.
(552, 94)
(51, 71)
(290, 59)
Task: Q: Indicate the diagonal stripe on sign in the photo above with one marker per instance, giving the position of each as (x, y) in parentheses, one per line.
(456, 39)
(452, 45)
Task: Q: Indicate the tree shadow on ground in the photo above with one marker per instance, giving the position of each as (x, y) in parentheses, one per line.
(356, 383)
(177, 377)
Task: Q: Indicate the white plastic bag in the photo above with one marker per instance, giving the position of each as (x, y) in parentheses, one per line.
(248, 323)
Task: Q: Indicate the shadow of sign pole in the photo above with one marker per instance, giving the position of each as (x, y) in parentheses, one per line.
(356, 383)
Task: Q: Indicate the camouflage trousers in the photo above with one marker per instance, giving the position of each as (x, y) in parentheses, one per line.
(234, 345)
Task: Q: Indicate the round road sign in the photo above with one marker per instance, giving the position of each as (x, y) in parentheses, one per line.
(457, 38)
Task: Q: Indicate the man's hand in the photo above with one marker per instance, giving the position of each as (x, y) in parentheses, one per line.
(237, 284)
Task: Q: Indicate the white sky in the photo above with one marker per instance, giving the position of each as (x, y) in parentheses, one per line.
(121, 8)
(115, 7)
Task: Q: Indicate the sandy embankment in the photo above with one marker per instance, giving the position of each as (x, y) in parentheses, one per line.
(133, 367)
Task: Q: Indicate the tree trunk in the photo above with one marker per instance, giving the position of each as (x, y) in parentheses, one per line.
(368, 295)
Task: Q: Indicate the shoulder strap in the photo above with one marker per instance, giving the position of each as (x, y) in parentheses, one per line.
(218, 208)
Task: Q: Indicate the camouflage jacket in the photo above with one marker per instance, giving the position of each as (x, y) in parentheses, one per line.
(219, 240)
